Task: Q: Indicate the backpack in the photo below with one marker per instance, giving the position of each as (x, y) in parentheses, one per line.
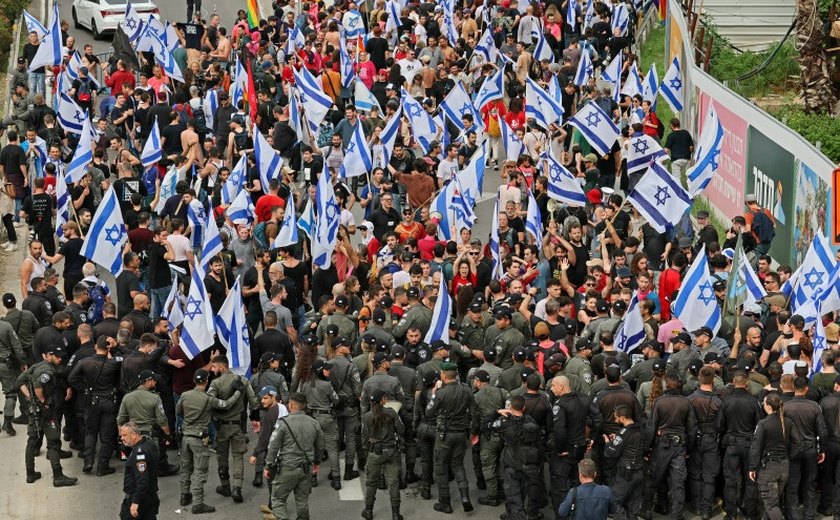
(84, 94)
(200, 119)
(259, 235)
(183, 111)
(763, 228)
(97, 300)
(660, 128)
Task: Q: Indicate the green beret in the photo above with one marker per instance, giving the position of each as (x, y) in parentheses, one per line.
(448, 365)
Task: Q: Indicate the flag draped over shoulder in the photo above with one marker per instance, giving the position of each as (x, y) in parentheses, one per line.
(107, 235)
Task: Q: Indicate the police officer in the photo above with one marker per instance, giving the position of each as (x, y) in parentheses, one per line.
(489, 366)
(424, 424)
(96, 378)
(579, 364)
(440, 353)
(12, 362)
(196, 408)
(140, 484)
(808, 451)
(830, 405)
(670, 429)
(683, 354)
(269, 374)
(345, 378)
(411, 387)
(768, 463)
(143, 406)
(508, 339)
(739, 414)
(511, 378)
(521, 457)
(472, 327)
(704, 462)
(38, 386)
(568, 422)
(378, 330)
(295, 448)
(626, 449)
(454, 405)
(417, 315)
(381, 380)
(231, 441)
(643, 370)
(381, 430)
(347, 328)
(417, 350)
(321, 401)
(23, 322)
(37, 303)
(487, 451)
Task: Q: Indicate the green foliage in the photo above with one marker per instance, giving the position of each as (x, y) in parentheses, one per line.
(653, 51)
(10, 11)
(727, 65)
(815, 128)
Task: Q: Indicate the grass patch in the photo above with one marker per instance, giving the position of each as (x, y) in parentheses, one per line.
(653, 51)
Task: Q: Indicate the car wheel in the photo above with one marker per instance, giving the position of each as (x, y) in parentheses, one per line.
(76, 23)
(93, 30)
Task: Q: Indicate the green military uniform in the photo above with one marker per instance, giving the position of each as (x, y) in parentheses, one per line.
(296, 444)
(472, 334)
(488, 367)
(382, 445)
(580, 367)
(407, 377)
(511, 378)
(639, 373)
(44, 424)
(321, 400)
(361, 363)
(383, 337)
(424, 425)
(345, 378)
(383, 381)
(432, 365)
(507, 341)
(269, 377)
(519, 322)
(25, 325)
(347, 328)
(196, 407)
(678, 362)
(577, 384)
(462, 356)
(12, 357)
(145, 408)
(418, 316)
(454, 405)
(488, 400)
(231, 440)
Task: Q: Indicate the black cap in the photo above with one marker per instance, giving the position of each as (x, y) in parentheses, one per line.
(655, 345)
(556, 359)
(682, 337)
(398, 352)
(479, 298)
(378, 316)
(502, 312)
(413, 292)
(602, 306)
(386, 302)
(620, 306)
(704, 330)
(341, 342)
(9, 300)
(520, 354)
(482, 376)
(310, 339)
(658, 365)
(21, 61)
(571, 327)
(439, 344)
(376, 395)
(379, 358)
(527, 371)
(695, 365)
(514, 299)
(201, 376)
(331, 330)
(719, 285)
(490, 353)
(475, 307)
(143, 376)
(711, 357)
(341, 301)
(268, 357)
(320, 364)
(429, 378)
(744, 365)
(454, 325)
(369, 338)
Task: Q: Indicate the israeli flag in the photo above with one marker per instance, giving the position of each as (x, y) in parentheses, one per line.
(352, 24)
(814, 272)
(389, 134)
(62, 214)
(294, 41)
(167, 187)
(643, 150)
(268, 160)
(197, 220)
(596, 126)
(306, 222)
(747, 286)
(239, 84)
(153, 29)
(612, 72)
(632, 331)
(392, 7)
(533, 222)
(346, 65)
(486, 46)
(650, 85)
(70, 115)
(233, 331)
(587, 18)
(540, 105)
(173, 308)
(326, 224)
(199, 324)
(442, 205)
(210, 105)
(496, 269)
(288, 234)
(82, 156)
(492, 88)
(562, 185)
(212, 241)
(471, 178)
(236, 180)
(107, 235)
(163, 56)
(696, 305)
(620, 18)
(707, 154)
(439, 328)
(633, 83)
(513, 145)
(294, 113)
(542, 52)
(660, 198)
(819, 342)
(672, 88)
(464, 216)
(448, 29)
(457, 104)
(49, 51)
(315, 102)
(365, 100)
(585, 71)
(73, 66)
(133, 24)
(829, 298)
(34, 25)
(241, 210)
(422, 124)
(357, 159)
(152, 152)
(571, 15)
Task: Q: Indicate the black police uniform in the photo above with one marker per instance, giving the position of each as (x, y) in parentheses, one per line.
(737, 419)
(704, 461)
(603, 423)
(626, 451)
(809, 423)
(769, 452)
(827, 481)
(140, 484)
(95, 379)
(569, 446)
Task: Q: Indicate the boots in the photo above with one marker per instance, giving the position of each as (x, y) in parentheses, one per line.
(489, 500)
(199, 509)
(465, 500)
(223, 489)
(367, 513)
(186, 499)
(62, 480)
(236, 494)
(8, 428)
(258, 480)
(105, 471)
(335, 483)
(88, 467)
(425, 493)
(349, 472)
(395, 512)
(443, 506)
(32, 476)
(314, 480)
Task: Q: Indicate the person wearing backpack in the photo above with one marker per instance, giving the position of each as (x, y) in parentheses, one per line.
(98, 293)
(651, 123)
(760, 223)
(82, 90)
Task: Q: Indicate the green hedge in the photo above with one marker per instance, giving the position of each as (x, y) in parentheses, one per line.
(814, 128)
(9, 14)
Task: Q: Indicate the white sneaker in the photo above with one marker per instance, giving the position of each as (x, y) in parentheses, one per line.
(11, 247)
(5, 244)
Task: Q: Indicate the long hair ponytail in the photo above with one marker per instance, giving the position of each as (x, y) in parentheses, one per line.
(775, 403)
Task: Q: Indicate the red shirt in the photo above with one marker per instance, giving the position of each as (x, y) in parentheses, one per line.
(116, 81)
(425, 245)
(264, 204)
(459, 281)
(668, 283)
(486, 113)
(515, 120)
(651, 130)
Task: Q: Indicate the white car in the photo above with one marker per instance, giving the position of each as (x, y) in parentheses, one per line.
(103, 16)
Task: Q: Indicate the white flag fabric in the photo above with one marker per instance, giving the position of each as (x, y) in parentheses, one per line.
(83, 155)
(819, 341)
(533, 220)
(585, 71)
(212, 239)
(49, 52)
(34, 25)
(540, 105)
(326, 223)
(357, 158)
(389, 134)
(486, 46)
(197, 332)
(132, 25)
(672, 88)
(239, 84)
(241, 210)
(210, 104)
(365, 100)
(457, 104)
(70, 115)
(587, 18)
(152, 151)
(422, 124)
(514, 147)
(306, 222)
(235, 181)
(696, 305)
(650, 85)
(352, 24)
(167, 187)
(392, 7)
(596, 126)
(492, 88)
(288, 233)
(107, 234)
(471, 178)
(706, 154)
(562, 185)
(442, 205)
(660, 198)
(814, 272)
(315, 102)
(62, 196)
(542, 52)
(571, 14)
(612, 72)
(620, 18)
(643, 150)
(268, 160)
(173, 309)
(496, 269)
(164, 58)
(633, 83)
(439, 327)
(632, 331)
(346, 65)
(233, 331)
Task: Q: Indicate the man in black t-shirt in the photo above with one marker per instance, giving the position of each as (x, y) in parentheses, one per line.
(170, 136)
(215, 284)
(13, 166)
(159, 254)
(193, 32)
(37, 77)
(679, 145)
(71, 252)
(38, 210)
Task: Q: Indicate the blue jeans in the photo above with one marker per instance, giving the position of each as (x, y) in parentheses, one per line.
(38, 83)
(158, 300)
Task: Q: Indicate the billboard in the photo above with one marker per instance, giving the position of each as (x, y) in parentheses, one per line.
(726, 191)
(811, 204)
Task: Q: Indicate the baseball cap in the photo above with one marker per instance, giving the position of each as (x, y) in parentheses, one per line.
(571, 327)
(341, 342)
(369, 338)
(502, 312)
(704, 330)
(474, 306)
(21, 61)
(590, 157)
(655, 346)
(376, 395)
(310, 339)
(268, 390)
(378, 315)
(9, 299)
(386, 302)
(331, 329)
(268, 357)
(744, 365)
(398, 352)
(695, 365)
(379, 358)
(728, 253)
(413, 292)
(142, 377)
(341, 301)
(594, 196)
(685, 242)
(454, 325)
(682, 337)
(520, 354)
(438, 344)
(602, 306)
(623, 272)
(750, 197)
(702, 214)
(658, 365)
(719, 285)
(774, 299)
(514, 299)
(711, 357)
(320, 364)
(390, 86)
(448, 366)
(490, 352)
(201, 376)
(555, 359)
(482, 376)
(620, 306)
(527, 371)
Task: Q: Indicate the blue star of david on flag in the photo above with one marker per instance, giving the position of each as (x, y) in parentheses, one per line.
(676, 83)
(641, 146)
(131, 24)
(813, 278)
(662, 196)
(193, 308)
(113, 235)
(593, 118)
(707, 293)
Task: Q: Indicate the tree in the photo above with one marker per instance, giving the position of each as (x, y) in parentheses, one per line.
(814, 63)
